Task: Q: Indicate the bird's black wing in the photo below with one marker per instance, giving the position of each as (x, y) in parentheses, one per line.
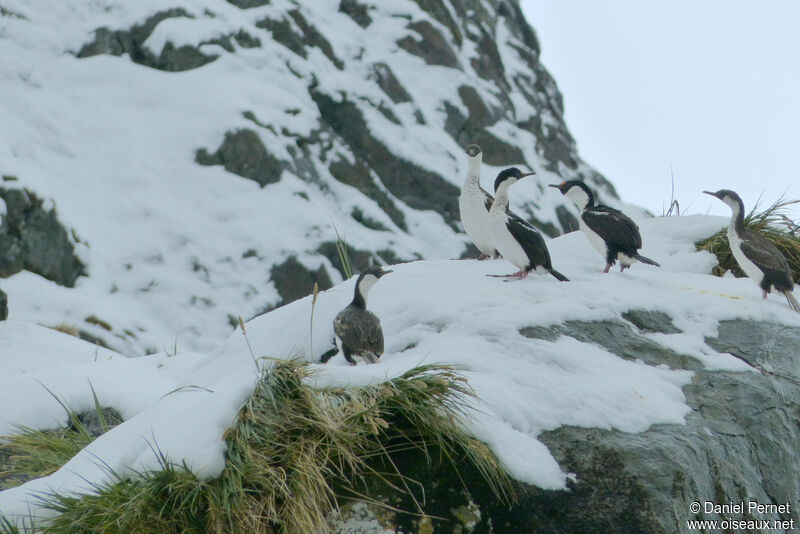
(614, 227)
(488, 199)
(765, 255)
(531, 241)
(360, 330)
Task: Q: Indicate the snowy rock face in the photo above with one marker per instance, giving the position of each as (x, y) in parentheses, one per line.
(195, 147)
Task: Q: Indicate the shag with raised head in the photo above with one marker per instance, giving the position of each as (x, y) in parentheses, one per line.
(612, 233)
(357, 330)
(760, 260)
(474, 204)
(514, 238)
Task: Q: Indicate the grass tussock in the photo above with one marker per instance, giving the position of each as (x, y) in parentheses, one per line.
(32, 453)
(295, 453)
(774, 224)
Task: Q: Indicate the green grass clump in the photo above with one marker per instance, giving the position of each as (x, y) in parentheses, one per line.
(295, 453)
(772, 223)
(32, 453)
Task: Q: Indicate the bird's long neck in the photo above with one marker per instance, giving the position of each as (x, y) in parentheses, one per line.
(737, 215)
(473, 171)
(501, 199)
(363, 286)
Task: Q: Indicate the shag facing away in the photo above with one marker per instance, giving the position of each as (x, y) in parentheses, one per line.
(474, 204)
(612, 233)
(357, 330)
(759, 259)
(515, 239)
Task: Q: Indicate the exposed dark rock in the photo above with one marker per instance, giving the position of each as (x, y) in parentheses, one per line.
(770, 347)
(417, 187)
(247, 4)
(293, 280)
(488, 64)
(432, 46)
(358, 215)
(389, 83)
(439, 11)
(32, 238)
(131, 42)
(243, 153)
(359, 176)
(651, 321)
(3, 306)
(568, 222)
(356, 11)
(283, 32)
(472, 129)
(359, 259)
(739, 443)
(92, 422)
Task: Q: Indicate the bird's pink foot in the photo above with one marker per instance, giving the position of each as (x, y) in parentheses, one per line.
(608, 268)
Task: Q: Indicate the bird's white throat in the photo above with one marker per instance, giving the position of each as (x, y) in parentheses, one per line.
(578, 196)
(366, 284)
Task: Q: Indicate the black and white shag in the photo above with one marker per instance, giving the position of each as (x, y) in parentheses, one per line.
(474, 204)
(760, 260)
(514, 238)
(612, 233)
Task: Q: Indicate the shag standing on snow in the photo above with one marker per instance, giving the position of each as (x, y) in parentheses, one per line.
(515, 239)
(612, 233)
(759, 259)
(474, 204)
(358, 331)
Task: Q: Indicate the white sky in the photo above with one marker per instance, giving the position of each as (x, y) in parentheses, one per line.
(708, 88)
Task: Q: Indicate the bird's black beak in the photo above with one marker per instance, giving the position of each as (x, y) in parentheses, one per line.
(386, 272)
(527, 174)
(710, 193)
(557, 186)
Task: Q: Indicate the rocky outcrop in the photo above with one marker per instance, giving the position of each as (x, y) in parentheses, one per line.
(32, 238)
(243, 153)
(293, 280)
(741, 442)
(3, 306)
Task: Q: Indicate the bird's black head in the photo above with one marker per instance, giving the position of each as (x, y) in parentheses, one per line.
(374, 270)
(511, 175)
(723, 193)
(473, 150)
(730, 198)
(576, 191)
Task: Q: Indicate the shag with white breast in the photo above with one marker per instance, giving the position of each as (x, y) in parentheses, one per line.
(759, 259)
(474, 204)
(514, 238)
(612, 233)
(357, 330)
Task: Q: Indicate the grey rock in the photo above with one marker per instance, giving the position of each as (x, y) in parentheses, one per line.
(293, 280)
(283, 31)
(740, 442)
(417, 187)
(243, 153)
(3, 306)
(430, 46)
(389, 83)
(356, 11)
(359, 259)
(247, 4)
(651, 321)
(568, 221)
(131, 42)
(32, 238)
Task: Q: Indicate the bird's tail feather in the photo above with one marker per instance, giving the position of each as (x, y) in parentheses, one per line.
(648, 261)
(793, 304)
(558, 275)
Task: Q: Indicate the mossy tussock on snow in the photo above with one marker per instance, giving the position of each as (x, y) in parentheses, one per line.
(294, 453)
